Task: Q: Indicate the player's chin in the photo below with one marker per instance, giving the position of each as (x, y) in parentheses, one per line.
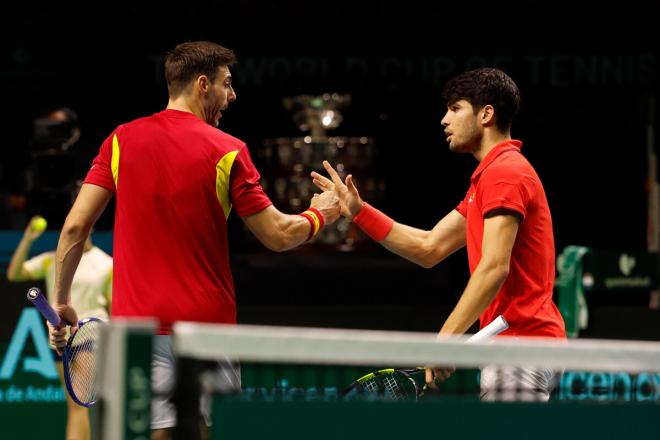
(455, 147)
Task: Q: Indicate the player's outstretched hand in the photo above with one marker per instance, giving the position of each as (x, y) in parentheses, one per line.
(347, 192)
(328, 203)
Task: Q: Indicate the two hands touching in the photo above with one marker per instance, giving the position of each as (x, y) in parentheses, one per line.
(350, 202)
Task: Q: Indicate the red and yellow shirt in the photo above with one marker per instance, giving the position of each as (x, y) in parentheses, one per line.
(176, 179)
(505, 179)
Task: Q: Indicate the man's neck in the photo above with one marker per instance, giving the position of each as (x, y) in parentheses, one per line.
(183, 104)
(488, 142)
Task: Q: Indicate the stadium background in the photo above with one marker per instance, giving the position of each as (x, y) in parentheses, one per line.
(586, 82)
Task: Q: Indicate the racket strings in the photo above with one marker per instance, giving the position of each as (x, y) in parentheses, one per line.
(386, 385)
(371, 386)
(393, 388)
(82, 361)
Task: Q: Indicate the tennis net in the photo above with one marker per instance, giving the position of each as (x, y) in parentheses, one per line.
(300, 383)
(293, 371)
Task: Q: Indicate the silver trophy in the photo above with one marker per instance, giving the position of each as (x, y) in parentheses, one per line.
(317, 114)
(293, 158)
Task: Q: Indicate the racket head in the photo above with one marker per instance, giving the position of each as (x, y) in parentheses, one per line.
(388, 384)
(79, 361)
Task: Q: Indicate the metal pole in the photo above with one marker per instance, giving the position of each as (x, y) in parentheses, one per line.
(653, 226)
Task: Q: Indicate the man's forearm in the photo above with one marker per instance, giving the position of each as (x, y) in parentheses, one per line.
(294, 232)
(69, 251)
(426, 248)
(278, 231)
(484, 284)
(409, 243)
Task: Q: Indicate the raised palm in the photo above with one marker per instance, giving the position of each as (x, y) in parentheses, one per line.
(348, 195)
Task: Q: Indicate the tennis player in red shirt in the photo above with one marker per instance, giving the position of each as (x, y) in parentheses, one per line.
(176, 178)
(504, 220)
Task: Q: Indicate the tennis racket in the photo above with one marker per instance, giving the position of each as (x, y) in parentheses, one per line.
(400, 383)
(388, 384)
(79, 358)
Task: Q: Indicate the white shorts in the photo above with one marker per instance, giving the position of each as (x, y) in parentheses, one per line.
(227, 378)
(510, 384)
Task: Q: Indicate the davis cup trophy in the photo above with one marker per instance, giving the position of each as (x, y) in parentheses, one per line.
(291, 159)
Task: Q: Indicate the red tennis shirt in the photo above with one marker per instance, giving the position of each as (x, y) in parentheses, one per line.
(505, 179)
(176, 179)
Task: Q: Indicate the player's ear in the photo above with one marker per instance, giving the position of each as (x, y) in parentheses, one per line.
(202, 83)
(487, 115)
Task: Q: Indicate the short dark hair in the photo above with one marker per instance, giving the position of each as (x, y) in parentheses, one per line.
(486, 86)
(191, 59)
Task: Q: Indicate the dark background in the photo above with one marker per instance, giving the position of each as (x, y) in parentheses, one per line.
(586, 79)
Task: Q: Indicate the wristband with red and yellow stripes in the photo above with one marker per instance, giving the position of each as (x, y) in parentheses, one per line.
(316, 221)
(373, 222)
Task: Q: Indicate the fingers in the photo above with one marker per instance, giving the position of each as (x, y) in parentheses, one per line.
(325, 200)
(322, 182)
(321, 179)
(68, 314)
(429, 379)
(57, 337)
(432, 382)
(328, 204)
(333, 174)
(351, 186)
(435, 376)
(323, 186)
(441, 375)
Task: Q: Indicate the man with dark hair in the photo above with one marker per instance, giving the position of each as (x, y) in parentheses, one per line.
(504, 220)
(177, 177)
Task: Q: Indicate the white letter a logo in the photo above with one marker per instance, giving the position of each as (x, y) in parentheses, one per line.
(29, 325)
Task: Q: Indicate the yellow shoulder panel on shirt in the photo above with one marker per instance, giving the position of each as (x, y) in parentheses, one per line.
(114, 163)
(222, 173)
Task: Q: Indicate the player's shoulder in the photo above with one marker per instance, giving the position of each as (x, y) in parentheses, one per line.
(511, 166)
(222, 143)
(511, 161)
(232, 141)
(130, 126)
(138, 122)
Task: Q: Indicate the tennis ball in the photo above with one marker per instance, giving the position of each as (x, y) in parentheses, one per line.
(39, 224)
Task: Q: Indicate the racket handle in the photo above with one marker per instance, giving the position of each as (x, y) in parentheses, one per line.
(497, 326)
(37, 298)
